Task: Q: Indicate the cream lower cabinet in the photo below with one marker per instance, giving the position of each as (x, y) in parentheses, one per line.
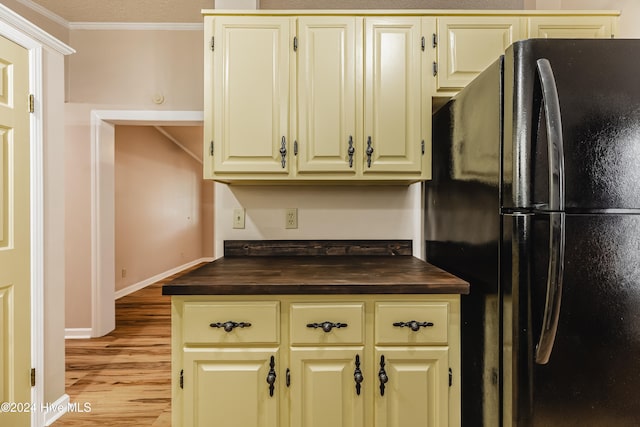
(316, 361)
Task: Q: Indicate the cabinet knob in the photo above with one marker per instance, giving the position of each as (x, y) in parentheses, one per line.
(230, 325)
(414, 325)
(327, 326)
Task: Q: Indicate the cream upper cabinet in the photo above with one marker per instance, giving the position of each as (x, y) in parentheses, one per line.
(346, 96)
(247, 95)
(392, 96)
(466, 45)
(583, 27)
(328, 110)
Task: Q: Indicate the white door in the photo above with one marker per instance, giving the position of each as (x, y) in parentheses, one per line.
(15, 281)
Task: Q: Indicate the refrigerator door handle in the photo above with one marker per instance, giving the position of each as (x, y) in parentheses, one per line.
(554, 134)
(557, 217)
(554, 288)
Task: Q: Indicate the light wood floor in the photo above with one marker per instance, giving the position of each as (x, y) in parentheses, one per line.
(124, 376)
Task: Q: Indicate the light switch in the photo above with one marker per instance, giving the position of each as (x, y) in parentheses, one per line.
(238, 218)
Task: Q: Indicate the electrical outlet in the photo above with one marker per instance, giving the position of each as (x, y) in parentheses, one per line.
(291, 218)
(238, 218)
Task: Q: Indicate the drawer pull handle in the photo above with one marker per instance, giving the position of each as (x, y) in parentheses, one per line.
(382, 376)
(271, 376)
(230, 325)
(415, 326)
(327, 326)
(357, 375)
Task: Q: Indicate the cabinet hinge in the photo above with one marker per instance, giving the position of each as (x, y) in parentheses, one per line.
(435, 68)
(295, 44)
(181, 378)
(213, 43)
(450, 377)
(422, 146)
(423, 43)
(211, 148)
(33, 377)
(32, 103)
(434, 40)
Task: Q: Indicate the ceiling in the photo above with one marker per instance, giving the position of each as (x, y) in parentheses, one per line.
(179, 11)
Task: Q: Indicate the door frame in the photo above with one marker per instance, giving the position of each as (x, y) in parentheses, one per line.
(22, 32)
(103, 201)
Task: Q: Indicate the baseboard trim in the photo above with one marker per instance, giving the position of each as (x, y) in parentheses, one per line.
(53, 411)
(143, 284)
(77, 333)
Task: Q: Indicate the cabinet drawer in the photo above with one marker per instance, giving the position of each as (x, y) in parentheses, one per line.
(394, 323)
(345, 323)
(231, 323)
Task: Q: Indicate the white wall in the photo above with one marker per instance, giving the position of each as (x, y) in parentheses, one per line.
(324, 212)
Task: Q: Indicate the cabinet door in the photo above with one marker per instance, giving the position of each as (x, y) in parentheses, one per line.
(468, 45)
(392, 97)
(583, 27)
(328, 51)
(228, 388)
(323, 387)
(251, 74)
(417, 391)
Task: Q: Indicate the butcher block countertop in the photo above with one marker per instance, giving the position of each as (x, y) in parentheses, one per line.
(332, 270)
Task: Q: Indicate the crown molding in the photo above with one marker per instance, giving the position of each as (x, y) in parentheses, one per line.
(20, 24)
(145, 26)
(45, 12)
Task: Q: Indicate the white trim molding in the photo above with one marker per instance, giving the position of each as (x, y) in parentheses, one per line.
(103, 202)
(77, 333)
(23, 28)
(54, 410)
(161, 276)
(137, 26)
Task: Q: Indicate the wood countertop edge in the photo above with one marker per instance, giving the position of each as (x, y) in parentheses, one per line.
(315, 289)
(240, 276)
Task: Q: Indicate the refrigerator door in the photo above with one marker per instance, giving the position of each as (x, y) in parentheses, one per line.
(599, 95)
(592, 377)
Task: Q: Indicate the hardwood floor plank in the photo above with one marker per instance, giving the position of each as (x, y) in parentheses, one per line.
(124, 376)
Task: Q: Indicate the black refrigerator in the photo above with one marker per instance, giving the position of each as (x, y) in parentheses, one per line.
(535, 200)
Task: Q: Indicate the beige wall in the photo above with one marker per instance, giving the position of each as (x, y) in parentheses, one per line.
(159, 222)
(116, 70)
(127, 68)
